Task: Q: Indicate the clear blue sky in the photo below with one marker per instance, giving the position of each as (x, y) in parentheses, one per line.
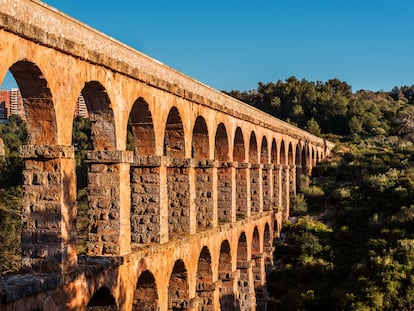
(233, 44)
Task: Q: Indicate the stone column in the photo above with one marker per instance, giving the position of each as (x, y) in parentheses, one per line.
(277, 188)
(49, 209)
(109, 196)
(292, 180)
(298, 174)
(255, 188)
(204, 200)
(267, 190)
(259, 275)
(285, 191)
(243, 191)
(146, 200)
(246, 297)
(225, 192)
(181, 197)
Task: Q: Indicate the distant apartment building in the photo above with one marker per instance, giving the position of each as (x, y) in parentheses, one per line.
(11, 103)
(81, 109)
(4, 104)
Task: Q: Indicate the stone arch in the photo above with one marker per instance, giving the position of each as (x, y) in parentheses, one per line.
(178, 288)
(102, 300)
(266, 176)
(204, 283)
(297, 155)
(200, 142)
(274, 152)
(145, 176)
(254, 175)
(264, 153)
(101, 116)
(224, 175)
(282, 154)
(141, 128)
(178, 180)
(227, 298)
(146, 294)
(290, 154)
(203, 175)
(239, 153)
(37, 101)
(267, 238)
(313, 157)
(258, 272)
(253, 155)
(245, 294)
(304, 160)
(276, 176)
(221, 145)
(242, 248)
(174, 141)
(241, 174)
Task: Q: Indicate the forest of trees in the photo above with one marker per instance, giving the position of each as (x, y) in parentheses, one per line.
(349, 244)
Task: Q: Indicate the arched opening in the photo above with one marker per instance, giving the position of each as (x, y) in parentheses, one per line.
(204, 175)
(221, 144)
(82, 141)
(13, 134)
(245, 290)
(227, 298)
(146, 295)
(255, 199)
(313, 158)
(304, 161)
(204, 285)
(258, 272)
(178, 289)
(174, 143)
(141, 136)
(266, 176)
(200, 144)
(178, 182)
(101, 116)
(102, 212)
(145, 176)
(37, 101)
(264, 153)
(290, 155)
(253, 155)
(238, 146)
(102, 300)
(241, 175)
(268, 249)
(276, 177)
(298, 166)
(224, 175)
(282, 160)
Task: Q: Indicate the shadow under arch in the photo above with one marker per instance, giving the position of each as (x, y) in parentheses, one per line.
(141, 136)
(101, 116)
(102, 300)
(204, 284)
(178, 288)
(254, 175)
(146, 294)
(225, 275)
(37, 101)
